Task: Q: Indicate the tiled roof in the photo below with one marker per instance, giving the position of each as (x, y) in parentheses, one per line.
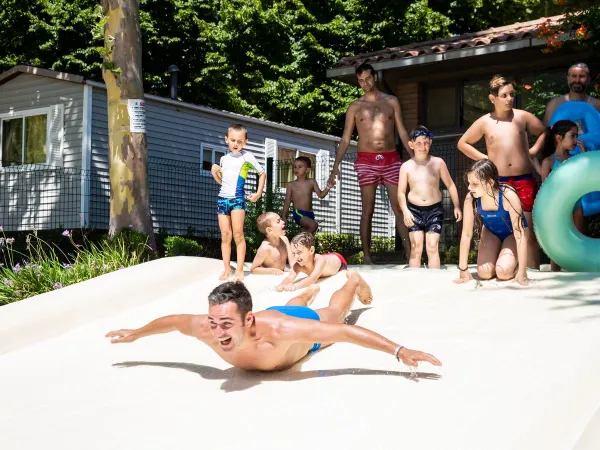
(514, 32)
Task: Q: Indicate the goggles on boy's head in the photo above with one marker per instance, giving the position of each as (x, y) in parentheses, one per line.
(415, 134)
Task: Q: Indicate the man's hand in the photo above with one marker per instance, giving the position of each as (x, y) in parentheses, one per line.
(465, 277)
(457, 214)
(121, 336)
(253, 197)
(413, 357)
(409, 219)
(335, 173)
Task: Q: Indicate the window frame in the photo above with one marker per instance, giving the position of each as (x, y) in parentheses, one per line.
(299, 149)
(23, 114)
(213, 149)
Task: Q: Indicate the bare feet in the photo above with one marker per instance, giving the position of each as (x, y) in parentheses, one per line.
(311, 292)
(239, 276)
(363, 290)
(225, 275)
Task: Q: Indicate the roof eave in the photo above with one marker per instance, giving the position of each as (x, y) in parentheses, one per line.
(18, 70)
(431, 58)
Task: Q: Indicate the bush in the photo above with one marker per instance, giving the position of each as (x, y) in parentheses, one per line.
(383, 245)
(180, 246)
(345, 244)
(450, 255)
(45, 267)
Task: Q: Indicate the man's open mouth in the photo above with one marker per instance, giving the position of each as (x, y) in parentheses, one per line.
(226, 341)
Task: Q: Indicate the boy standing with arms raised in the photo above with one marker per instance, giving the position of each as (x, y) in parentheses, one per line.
(506, 131)
(231, 174)
(424, 213)
(300, 193)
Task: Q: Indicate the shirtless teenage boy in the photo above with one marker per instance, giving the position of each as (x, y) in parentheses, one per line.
(275, 249)
(506, 132)
(300, 192)
(578, 78)
(374, 115)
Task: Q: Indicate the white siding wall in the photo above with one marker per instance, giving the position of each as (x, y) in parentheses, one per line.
(33, 197)
(177, 133)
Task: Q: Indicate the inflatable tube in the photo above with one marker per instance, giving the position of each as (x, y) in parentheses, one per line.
(553, 214)
(588, 119)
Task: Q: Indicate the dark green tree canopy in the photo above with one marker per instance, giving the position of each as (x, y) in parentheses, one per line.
(264, 58)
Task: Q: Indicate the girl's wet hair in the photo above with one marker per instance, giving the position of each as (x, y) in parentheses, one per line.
(560, 128)
(487, 174)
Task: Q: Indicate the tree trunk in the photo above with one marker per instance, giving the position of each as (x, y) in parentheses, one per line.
(128, 153)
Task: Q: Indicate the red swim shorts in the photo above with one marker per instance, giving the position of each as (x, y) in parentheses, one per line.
(526, 187)
(344, 264)
(377, 168)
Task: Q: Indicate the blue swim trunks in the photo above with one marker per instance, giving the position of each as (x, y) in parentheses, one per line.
(226, 205)
(299, 214)
(299, 312)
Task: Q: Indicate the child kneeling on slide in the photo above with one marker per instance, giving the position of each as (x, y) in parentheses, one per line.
(315, 266)
(424, 213)
(502, 248)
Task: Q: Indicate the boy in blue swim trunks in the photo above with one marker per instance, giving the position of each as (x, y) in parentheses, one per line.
(231, 174)
(422, 206)
(300, 193)
(278, 338)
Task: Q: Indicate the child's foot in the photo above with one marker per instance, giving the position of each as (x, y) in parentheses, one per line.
(363, 290)
(239, 276)
(225, 275)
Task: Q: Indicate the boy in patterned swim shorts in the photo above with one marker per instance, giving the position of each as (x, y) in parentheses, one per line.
(231, 174)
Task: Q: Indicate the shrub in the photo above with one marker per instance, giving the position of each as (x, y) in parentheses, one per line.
(345, 244)
(180, 246)
(450, 255)
(45, 267)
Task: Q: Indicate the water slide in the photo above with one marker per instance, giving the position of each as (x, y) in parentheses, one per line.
(521, 368)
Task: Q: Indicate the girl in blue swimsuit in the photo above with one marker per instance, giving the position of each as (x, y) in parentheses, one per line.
(502, 248)
(561, 139)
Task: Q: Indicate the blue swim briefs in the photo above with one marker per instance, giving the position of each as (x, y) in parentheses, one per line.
(299, 214)
(226, 205)
(299, 312)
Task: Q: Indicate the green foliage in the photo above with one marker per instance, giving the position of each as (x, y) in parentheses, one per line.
(44, 268)
(451, 254)
(345, 244)
(180, 246)
(266, 59)
(382, 244)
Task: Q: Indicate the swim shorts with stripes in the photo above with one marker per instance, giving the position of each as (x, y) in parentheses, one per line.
(377, 168)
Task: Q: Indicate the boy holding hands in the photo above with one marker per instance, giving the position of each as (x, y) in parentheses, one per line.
(300, 192)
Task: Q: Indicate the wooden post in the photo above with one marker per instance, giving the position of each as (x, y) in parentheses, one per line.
(128, 154)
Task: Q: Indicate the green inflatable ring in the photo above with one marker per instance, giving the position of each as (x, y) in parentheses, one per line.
(553, 213)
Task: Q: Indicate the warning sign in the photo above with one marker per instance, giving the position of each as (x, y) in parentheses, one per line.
(137, 115)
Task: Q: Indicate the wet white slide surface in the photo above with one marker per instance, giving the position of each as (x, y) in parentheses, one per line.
(521, 368)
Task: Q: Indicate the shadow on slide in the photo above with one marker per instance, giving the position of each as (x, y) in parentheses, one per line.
(235, 379)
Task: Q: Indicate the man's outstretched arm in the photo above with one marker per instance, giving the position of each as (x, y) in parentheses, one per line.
(299, 330)
(188, 324)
